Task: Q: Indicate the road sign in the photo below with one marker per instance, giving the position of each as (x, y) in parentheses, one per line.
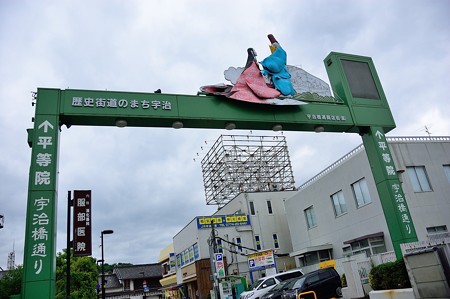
(220, 266)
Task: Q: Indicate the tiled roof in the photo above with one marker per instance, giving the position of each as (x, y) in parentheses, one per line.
(112, 281)
(138, 271)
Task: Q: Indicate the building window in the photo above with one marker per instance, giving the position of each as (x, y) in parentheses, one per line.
(269, 207)
(339, 203)
(418, 177)
(370, 246)
(308, 259)
(257, 242)
(126, 285)
(437, 229)
(310, 217)
(239, 243)
(276, 245)
(252, 208)
(347, 251)
(447, 172)
(179, 258)
(314, 257)
(361, 193)
(165, 268)
(196, 252)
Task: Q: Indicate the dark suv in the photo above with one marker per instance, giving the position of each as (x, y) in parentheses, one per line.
(279, 289)
(326, 283)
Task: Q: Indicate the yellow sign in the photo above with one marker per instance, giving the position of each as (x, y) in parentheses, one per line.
(328, 264)
(223, 220)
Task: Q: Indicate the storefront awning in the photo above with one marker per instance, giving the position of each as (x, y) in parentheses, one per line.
(169, 280)
(311, 249)
(189, 278)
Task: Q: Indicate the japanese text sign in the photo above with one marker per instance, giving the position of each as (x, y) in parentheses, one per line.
(82, 232)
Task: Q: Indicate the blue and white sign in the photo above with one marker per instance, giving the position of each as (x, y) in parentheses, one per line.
(251, 263)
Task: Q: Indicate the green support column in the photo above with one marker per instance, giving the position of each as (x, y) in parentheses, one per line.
(395, 207)
(40, 232)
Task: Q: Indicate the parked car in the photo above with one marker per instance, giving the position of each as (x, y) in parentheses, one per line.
(278, 290)
(326, 283)
(265, 284)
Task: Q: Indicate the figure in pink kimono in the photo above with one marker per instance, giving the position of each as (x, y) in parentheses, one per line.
(270, 82)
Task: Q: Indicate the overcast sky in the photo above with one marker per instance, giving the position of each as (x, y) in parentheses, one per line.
(145, 183)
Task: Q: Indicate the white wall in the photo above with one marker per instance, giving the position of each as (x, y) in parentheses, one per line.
(330, 229)
(427, 208)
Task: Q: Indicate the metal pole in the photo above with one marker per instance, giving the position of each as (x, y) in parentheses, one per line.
(69, 204)
(103, 269)
(104, 232)
(214, 248)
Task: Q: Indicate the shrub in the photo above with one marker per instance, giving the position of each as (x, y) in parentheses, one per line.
(389, 276)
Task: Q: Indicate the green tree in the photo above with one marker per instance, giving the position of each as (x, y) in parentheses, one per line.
(83, 276)
(11, 283)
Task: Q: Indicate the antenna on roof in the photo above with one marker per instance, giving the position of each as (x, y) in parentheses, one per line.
(427, 130)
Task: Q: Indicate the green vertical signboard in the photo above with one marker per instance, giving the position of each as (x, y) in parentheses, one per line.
(390, 191)
(40, 240)
(355, 80)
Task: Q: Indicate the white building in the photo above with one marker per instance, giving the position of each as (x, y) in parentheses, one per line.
(338, 212)
(267, 228)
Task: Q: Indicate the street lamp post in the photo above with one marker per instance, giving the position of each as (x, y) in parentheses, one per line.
(104, 232)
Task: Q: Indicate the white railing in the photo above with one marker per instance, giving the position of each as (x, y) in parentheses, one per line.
(331, 167)
(418, 246)
(376, 259)
(419, 139)
(361, 147)
(383, 258)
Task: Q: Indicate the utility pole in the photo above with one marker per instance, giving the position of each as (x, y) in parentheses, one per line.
(104, 232)
(212, 251)
(68, 246)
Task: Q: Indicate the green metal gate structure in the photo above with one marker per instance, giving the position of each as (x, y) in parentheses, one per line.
(362, 108)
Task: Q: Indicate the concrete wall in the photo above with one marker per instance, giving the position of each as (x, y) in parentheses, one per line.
(427, 275)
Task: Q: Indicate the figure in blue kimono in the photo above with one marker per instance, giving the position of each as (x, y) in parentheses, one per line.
(275, 67)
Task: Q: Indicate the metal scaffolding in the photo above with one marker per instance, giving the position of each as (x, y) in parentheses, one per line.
(246, 163)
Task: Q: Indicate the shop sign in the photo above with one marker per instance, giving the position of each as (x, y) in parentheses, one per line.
(261, 260)
(82, 223)
(222, 221)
